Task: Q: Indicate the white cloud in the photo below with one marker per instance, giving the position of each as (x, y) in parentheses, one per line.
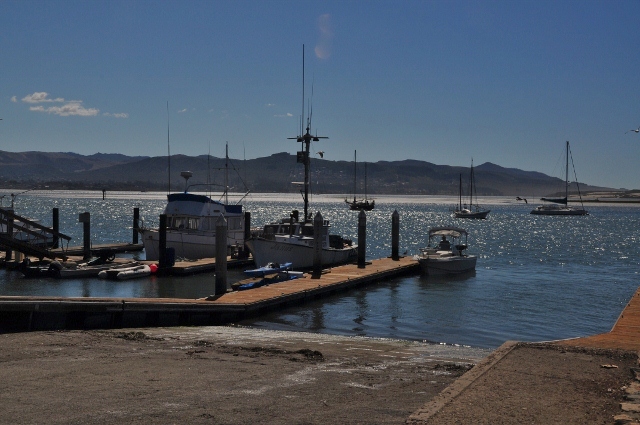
(116, 115)
(14, 99)
(323, 46)
(69, 107)
(74, 108)
(182, 111)
(288, 114)
(39, 97)
(269, 105)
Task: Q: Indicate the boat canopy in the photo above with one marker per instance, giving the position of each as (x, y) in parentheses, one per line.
(192, 204)
(454, 232)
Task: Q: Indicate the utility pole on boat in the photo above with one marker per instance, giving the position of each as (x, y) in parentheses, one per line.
(226, 175)
(303, 156)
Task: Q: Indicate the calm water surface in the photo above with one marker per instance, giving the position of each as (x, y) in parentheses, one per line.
(538, 278)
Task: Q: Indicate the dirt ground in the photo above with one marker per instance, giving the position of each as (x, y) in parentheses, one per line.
(229, 375)
(221, 375)
(537, 384)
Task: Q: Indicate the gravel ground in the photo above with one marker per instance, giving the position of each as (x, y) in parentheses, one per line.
(222, 375)
(230, 375)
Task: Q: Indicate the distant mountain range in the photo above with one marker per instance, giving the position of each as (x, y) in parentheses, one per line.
(274, 173)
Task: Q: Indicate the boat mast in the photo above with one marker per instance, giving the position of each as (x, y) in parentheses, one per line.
(566, 178)
(304, 155)
(460, 194)
(471, 185)
(365, 182)
(355, 176)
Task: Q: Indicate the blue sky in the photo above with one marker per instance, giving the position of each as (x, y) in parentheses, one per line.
(506, 82)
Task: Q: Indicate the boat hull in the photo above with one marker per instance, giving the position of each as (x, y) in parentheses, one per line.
(559, 211)
(301, 256)
(472, 214)
(448, 265)
(192, 246)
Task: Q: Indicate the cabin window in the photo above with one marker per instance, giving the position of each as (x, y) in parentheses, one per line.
(307, 231)
(193, 223)
(234, 223)
(179, 223)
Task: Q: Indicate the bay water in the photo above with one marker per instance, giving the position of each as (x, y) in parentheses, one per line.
(537, 278)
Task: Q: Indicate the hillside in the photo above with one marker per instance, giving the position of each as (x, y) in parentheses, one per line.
(274, 173)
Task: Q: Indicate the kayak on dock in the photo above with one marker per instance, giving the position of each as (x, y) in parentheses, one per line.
(252, 283)
(269, 269)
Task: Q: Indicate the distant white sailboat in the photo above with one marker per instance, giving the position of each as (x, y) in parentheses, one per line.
(473, 210)
(560, 206)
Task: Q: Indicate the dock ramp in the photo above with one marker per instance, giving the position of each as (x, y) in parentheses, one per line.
(29, 237)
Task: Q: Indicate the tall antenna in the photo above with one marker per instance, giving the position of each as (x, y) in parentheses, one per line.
(305, 138)
(209, 170)
(168, 150)
(302, 117)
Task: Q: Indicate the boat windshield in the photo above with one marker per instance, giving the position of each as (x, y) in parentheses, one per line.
(184, 223)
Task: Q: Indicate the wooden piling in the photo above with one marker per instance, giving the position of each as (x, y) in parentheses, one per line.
(162, 243)
(85, 219)
(136, 220)
(395, 235)
(221, 256)
(56, 228)
(362, 239)
(317, 245)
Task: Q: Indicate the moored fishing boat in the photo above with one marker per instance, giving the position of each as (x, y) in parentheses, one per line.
(291, 239)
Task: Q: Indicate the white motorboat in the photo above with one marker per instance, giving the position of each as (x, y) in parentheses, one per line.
(445, 253)
(560, 206)
(473, 210)
(292, 239)
(191, 225)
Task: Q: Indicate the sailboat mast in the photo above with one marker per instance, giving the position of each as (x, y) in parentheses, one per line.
(471, 186)
(566, 178)
(460, 194)
(355, 176)
(365, 182)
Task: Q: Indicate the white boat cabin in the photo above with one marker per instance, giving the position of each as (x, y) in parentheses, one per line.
(188, 211)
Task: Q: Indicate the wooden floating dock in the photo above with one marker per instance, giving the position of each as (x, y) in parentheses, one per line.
(50, 313)
(117, 248)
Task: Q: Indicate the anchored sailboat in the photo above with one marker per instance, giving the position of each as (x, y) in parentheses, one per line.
(559, 206)
(473, 210)
(362, 204)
